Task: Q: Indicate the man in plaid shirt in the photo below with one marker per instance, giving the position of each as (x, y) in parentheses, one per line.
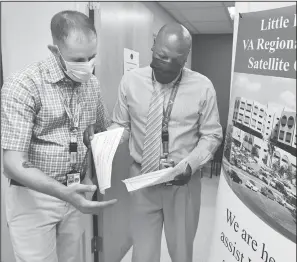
(44, 111)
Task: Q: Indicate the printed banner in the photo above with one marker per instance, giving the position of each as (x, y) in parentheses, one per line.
(256, 202)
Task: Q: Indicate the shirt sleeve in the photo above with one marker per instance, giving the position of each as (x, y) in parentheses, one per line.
(121, 116)
(210, 132)
(17, 114)
(102, 115)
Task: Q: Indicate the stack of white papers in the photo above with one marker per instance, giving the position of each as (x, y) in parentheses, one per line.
(104, 146)
(152, 178)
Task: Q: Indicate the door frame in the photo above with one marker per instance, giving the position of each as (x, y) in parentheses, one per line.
(96, 196)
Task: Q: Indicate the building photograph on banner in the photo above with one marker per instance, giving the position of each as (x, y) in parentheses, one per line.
(256, 220)
(261, 157)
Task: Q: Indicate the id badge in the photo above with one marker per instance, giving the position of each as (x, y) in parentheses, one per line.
(73, 178)
(73, 148)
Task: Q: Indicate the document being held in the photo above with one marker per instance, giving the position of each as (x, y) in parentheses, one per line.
(104, 146)
(151, 179)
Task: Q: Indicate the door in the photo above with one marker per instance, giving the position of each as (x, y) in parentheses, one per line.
(119, 25)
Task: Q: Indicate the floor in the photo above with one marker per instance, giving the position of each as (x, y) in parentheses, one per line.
(204, 233)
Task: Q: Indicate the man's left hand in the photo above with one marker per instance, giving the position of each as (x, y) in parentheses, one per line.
(183, 178)
(89, 133)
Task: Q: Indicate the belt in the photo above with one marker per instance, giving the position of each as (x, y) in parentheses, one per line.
(15, 183)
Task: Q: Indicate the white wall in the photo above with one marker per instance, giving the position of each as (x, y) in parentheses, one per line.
(25, 29)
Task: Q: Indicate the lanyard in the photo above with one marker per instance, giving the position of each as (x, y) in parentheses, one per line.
(167, 113)
(74, 118)
(74, 123)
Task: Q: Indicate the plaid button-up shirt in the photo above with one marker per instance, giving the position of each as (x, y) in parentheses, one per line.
(34, 120)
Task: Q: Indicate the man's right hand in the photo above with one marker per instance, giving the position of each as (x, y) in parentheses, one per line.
(76, 197)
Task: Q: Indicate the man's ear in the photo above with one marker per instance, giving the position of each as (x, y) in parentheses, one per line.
(56, 52)
(54, 49)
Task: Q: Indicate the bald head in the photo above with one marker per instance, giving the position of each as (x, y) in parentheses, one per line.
(170, 51)
(175, 39)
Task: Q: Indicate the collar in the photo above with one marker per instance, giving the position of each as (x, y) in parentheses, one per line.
(54, 71)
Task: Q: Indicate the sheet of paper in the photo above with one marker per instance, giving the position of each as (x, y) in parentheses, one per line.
(104, 146)
(152, 178)
(131, 60)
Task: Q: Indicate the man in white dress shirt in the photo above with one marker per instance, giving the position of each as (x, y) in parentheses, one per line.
(171, 118)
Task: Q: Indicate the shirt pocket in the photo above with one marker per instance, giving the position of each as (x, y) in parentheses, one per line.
(138, 106)
(89, 113)
(51, 115)
(187, 111)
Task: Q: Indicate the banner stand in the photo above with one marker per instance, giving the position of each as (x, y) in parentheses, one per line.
(256, 200)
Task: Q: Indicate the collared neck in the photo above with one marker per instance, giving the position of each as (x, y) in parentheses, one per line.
(55, 72)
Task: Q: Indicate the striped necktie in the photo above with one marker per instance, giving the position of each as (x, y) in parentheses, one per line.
(152, 142)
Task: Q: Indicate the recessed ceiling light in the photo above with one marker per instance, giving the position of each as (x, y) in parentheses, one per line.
(231, 10)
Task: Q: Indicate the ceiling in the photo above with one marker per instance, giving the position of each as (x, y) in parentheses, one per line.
(202, 17)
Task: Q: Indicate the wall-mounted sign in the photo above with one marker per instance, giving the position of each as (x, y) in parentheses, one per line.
(131, 60)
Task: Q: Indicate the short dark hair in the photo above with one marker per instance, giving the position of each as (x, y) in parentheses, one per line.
(66, 22)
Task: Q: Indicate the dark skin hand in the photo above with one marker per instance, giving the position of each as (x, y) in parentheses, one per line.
(89, 133)
(184, 178)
